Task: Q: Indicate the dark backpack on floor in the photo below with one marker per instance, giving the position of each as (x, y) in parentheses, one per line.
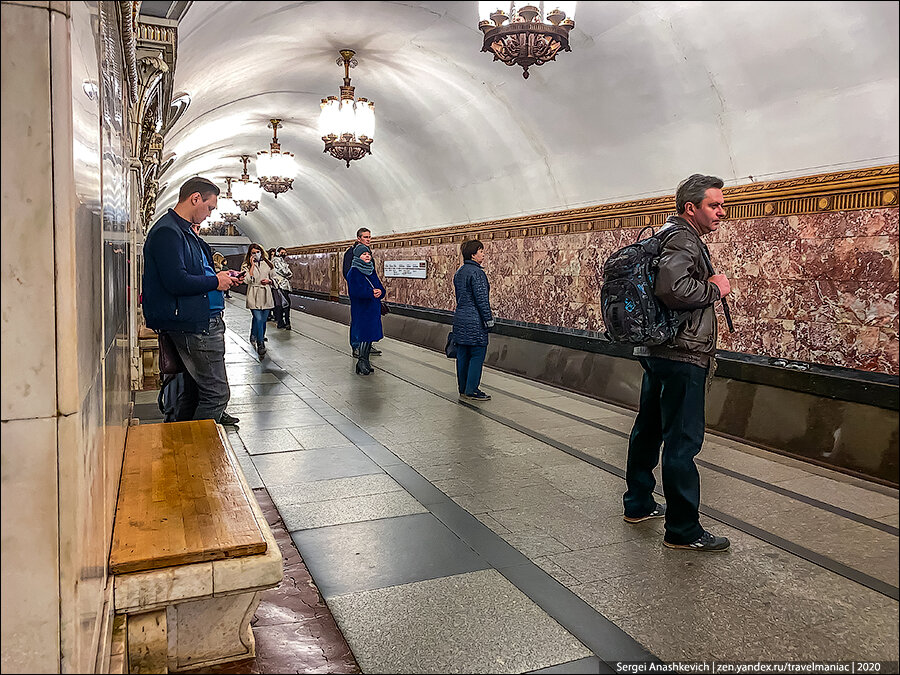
(631, 311)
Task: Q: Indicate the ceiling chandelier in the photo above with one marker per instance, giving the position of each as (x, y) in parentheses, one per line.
(275, 169)
(229, 211)
(522, 34)
(247, 192)
(347, 124)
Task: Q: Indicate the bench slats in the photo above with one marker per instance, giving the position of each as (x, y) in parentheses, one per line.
(180, 500)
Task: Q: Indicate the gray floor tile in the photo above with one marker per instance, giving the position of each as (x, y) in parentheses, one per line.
(589, 664)
(264, 441)
(334, 488)
(320, 436)
(349, 510)
(280, 419)
(375, 554)
(307, 465)
(469, 623)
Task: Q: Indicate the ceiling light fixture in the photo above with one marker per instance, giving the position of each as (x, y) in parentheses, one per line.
(247, 192)
(228, 210)
(524, 35)
(275, 169)
(347, 124)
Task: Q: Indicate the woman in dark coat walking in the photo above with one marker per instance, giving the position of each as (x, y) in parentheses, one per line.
(366, 293)
(472, 320)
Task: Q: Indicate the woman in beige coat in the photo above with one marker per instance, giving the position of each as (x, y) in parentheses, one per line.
(259, 293)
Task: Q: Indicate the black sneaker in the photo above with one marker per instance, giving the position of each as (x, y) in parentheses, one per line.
(355, 354)
(659, 511)
(228, 420)
(479, 396)
(706, 542)
(261, 350)
(374, 351)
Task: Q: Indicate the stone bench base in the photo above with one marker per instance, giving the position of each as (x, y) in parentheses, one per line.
(197, 615)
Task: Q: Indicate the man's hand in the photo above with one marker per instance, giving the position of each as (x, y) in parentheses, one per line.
(376, 292)
(722, 282)
(226, 281)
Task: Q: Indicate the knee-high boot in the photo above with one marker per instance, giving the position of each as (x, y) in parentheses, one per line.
(362, 365)
(365, 356)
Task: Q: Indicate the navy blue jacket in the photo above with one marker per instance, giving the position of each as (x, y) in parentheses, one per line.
(365, 308)
(473, 307)
(175, 285)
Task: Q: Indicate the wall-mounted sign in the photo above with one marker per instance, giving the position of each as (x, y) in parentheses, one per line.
(414, 269)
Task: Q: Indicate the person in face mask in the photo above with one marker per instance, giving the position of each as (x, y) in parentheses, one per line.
(281, 289)
(258, 271)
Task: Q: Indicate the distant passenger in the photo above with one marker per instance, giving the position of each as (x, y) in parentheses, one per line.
(472, 320)
(270, 254)
(673, 391)
(363, 236)
(281, 288)
(366, 293)
(258, 271)
(182, 296)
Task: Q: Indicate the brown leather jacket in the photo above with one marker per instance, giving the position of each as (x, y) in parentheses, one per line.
(682, 286)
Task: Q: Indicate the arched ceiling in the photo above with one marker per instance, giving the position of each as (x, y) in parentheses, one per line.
(650, 93)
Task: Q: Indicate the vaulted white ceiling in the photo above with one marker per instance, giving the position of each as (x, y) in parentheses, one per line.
(650, 93)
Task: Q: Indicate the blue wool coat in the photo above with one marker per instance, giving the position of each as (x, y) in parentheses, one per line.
(365, 308)
(473, 306)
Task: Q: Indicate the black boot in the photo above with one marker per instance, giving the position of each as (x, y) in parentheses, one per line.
(362, 365)
(361, 368)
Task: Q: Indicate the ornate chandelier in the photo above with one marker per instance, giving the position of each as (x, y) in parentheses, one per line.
(347, 124)
(228, 209)
(523, 35)
(275, 169)
(247, 192)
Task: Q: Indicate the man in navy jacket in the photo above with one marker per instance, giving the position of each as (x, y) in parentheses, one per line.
(363, 236)
(183, 297)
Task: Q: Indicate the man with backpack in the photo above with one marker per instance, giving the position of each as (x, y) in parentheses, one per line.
(673, 392)
(363, 236)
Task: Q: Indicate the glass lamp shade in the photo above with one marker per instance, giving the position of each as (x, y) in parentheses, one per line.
(485, 9)
(338, 118)
(246, 192)
(328, 118)
(365, 119)
(567, 8)
(275, 165)
(228, 207)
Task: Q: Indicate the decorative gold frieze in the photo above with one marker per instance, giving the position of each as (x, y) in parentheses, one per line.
(871, 188)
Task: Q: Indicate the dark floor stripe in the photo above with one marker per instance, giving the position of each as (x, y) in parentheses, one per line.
(811, 501)
(802, 552)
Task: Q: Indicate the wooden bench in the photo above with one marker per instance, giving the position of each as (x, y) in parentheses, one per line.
(191, 549)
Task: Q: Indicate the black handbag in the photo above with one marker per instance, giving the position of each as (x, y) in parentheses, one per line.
(385, 309)
(450, 349)
(170, 362)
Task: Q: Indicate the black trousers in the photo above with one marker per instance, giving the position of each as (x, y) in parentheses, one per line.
(672, 415)
(281, 314)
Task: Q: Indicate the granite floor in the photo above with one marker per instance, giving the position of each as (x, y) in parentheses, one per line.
(450, 536)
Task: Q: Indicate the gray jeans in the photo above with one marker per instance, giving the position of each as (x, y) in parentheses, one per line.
(206, 391)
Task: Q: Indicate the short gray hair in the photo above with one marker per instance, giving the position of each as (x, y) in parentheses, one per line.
(693, 189)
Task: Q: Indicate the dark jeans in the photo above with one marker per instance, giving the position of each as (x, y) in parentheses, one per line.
(469, 362)
(205, 382)
(672, 414)
(258, 325)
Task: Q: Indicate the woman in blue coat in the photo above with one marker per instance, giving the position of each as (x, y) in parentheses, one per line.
(472, 320)
(366, 294)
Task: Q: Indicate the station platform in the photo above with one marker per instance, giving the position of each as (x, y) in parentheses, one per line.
(453, 536)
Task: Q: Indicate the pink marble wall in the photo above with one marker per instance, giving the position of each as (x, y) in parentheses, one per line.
(820, 288)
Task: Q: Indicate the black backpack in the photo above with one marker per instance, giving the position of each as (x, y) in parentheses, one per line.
(631, 311)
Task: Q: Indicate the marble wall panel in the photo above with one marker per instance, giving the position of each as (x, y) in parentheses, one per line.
(26, 286)
(819, 288)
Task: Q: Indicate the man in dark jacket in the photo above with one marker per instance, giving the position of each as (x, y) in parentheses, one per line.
(673, 391)
(363, 236)
(182, 296)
